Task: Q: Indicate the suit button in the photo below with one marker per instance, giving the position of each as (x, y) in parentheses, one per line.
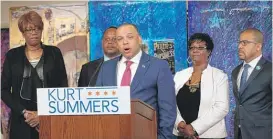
(239, 126)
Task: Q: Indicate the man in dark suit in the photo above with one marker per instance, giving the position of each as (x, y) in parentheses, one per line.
(252, 87)
(90, 70)
(150, 79)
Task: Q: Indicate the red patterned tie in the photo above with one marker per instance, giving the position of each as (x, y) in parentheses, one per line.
(126, 78)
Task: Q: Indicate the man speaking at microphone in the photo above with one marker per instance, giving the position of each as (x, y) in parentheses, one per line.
(149, 78)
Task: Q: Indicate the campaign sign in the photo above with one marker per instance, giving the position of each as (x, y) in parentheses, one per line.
(84, 101)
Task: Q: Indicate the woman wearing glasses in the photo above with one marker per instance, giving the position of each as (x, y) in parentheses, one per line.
(26, 68)
(202, 94)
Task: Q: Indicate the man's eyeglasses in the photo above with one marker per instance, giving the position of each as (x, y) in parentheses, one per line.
(198, 48)
(245, 42)
(31, 30)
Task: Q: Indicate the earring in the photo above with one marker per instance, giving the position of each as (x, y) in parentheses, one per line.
(189, 62)
(209, 59)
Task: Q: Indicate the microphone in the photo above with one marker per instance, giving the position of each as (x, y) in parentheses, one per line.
(93, 75)
(26, 75)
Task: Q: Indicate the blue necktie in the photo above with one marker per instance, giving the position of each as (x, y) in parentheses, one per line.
(244, 76)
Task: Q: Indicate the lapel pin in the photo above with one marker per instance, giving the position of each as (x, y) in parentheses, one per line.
(258, 67)
(143, 66)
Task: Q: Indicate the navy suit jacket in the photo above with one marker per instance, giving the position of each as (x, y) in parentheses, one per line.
(153, 83)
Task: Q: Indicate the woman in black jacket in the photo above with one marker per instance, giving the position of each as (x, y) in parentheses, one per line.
(26, 68)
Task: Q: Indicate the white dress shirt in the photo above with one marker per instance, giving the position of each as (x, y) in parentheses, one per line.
(122, 66)
(105, 58)
(252, 65)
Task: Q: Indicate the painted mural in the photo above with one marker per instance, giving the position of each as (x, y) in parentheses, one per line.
(67, 27)
(156, 22)
(168, 20)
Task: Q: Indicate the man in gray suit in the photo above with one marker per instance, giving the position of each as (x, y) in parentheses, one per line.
(252, 87)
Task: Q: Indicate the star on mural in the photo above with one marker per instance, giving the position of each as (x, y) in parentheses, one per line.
(215, 21)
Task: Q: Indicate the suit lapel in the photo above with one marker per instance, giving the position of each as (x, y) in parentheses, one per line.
(234, 79)
(93, 71)
(114, 72)
(141, 70)
(257, 69)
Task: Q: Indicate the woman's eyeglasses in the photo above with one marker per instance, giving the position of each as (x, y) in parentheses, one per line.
(198, 48)
(31, 30)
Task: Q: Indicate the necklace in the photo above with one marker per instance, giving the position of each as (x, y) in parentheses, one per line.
(193, 87)
(38, 57)
(33, 49)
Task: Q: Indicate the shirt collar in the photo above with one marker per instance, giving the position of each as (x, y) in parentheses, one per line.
(254, 62)
(135, 59)
(106, 58)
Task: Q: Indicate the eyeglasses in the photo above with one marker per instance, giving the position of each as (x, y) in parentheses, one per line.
(198, 48)
(245, 42)
(31, 30)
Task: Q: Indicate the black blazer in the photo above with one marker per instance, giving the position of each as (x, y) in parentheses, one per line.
(89, 73)
(12, 74)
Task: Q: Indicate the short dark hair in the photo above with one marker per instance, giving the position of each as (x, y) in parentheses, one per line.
(258, 35)
(108, 29)
(130, 24)
(202, 37)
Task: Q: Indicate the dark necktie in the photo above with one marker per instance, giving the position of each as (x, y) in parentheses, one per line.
(244, 76)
